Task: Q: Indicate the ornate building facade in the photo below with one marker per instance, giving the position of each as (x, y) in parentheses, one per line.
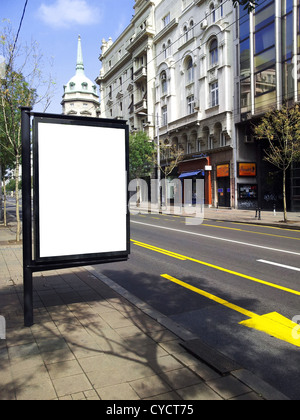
(196, 74)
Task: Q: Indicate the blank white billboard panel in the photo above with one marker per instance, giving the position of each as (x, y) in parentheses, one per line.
(82, 190)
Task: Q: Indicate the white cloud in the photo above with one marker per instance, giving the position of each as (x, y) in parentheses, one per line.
(64, 13)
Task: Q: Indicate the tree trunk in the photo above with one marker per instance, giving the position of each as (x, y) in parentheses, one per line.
(284, 197)
(18, 233)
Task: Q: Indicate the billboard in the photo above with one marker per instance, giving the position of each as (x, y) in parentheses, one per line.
(80, 200)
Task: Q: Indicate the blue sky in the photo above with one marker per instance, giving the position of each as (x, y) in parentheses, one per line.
(56, 24)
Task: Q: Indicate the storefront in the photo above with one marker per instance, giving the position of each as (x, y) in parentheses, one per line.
(198, 169)
(223, 185)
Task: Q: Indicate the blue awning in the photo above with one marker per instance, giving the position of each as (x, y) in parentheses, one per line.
(191, 174)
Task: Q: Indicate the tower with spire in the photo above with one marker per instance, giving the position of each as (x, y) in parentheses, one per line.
(80, 93)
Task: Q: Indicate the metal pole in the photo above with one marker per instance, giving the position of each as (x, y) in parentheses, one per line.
(27, 223)
(158, 164)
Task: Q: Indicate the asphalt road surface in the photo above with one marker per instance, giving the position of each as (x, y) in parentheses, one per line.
(211, 277)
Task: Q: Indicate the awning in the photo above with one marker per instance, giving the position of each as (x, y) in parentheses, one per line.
(191, 174)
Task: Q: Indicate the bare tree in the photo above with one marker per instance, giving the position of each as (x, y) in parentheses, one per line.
(22, 84)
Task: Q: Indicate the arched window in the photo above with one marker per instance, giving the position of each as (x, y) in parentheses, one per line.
(190, 70)
(169, 51)
(212, 13)
(164, 83)
(164, 48)
(191, 29)
(213, 52)
(221, 6)
(185, 33)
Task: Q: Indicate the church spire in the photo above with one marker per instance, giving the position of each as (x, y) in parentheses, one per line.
(79, 65)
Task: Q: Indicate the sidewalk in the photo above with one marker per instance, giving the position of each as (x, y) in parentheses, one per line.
(93, 340)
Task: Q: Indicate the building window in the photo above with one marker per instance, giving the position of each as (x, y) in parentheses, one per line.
(190, 104)
(190, 71)
(164, 49)
(212, 13)
(166, 20)
(164, 115)
(214, 94)
(264, 56)
(185, 34)
(213, 52)
(287, 49)
(221, 5)
(191, 34)
(169, 51)
(164, 83)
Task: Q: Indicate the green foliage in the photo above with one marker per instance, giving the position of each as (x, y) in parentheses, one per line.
(282, 130)
(141, 151)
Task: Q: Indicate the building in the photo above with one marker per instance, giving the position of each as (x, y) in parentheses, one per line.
(170, 73)
(197, 74)
(267, 71)
(193, 90)
(80, 93)
(127, 76)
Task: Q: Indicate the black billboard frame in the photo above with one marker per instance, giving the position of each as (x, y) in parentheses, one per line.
(31, 260)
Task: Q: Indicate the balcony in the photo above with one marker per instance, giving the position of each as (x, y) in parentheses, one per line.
(140, 75)
(141, 106)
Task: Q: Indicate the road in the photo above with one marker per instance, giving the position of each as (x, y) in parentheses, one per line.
(210, 278)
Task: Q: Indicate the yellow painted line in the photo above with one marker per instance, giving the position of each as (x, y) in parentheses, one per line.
(253, 232)
(223, 227)
(272, 324)
(265, 226)
(210, 296)
(216, 267)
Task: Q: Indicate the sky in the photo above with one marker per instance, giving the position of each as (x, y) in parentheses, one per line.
(56, 24)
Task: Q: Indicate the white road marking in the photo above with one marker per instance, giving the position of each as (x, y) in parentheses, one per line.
(289, 267)
(217, 238)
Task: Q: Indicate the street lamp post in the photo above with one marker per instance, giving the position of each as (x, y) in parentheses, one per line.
(158, 163)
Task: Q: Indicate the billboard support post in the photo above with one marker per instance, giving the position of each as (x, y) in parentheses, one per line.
(26, 211)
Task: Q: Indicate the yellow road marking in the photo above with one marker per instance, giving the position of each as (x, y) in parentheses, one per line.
(225, 270)
(272, 324)
(210, 296)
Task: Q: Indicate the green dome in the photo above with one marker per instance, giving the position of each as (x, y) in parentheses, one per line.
(80, 83)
